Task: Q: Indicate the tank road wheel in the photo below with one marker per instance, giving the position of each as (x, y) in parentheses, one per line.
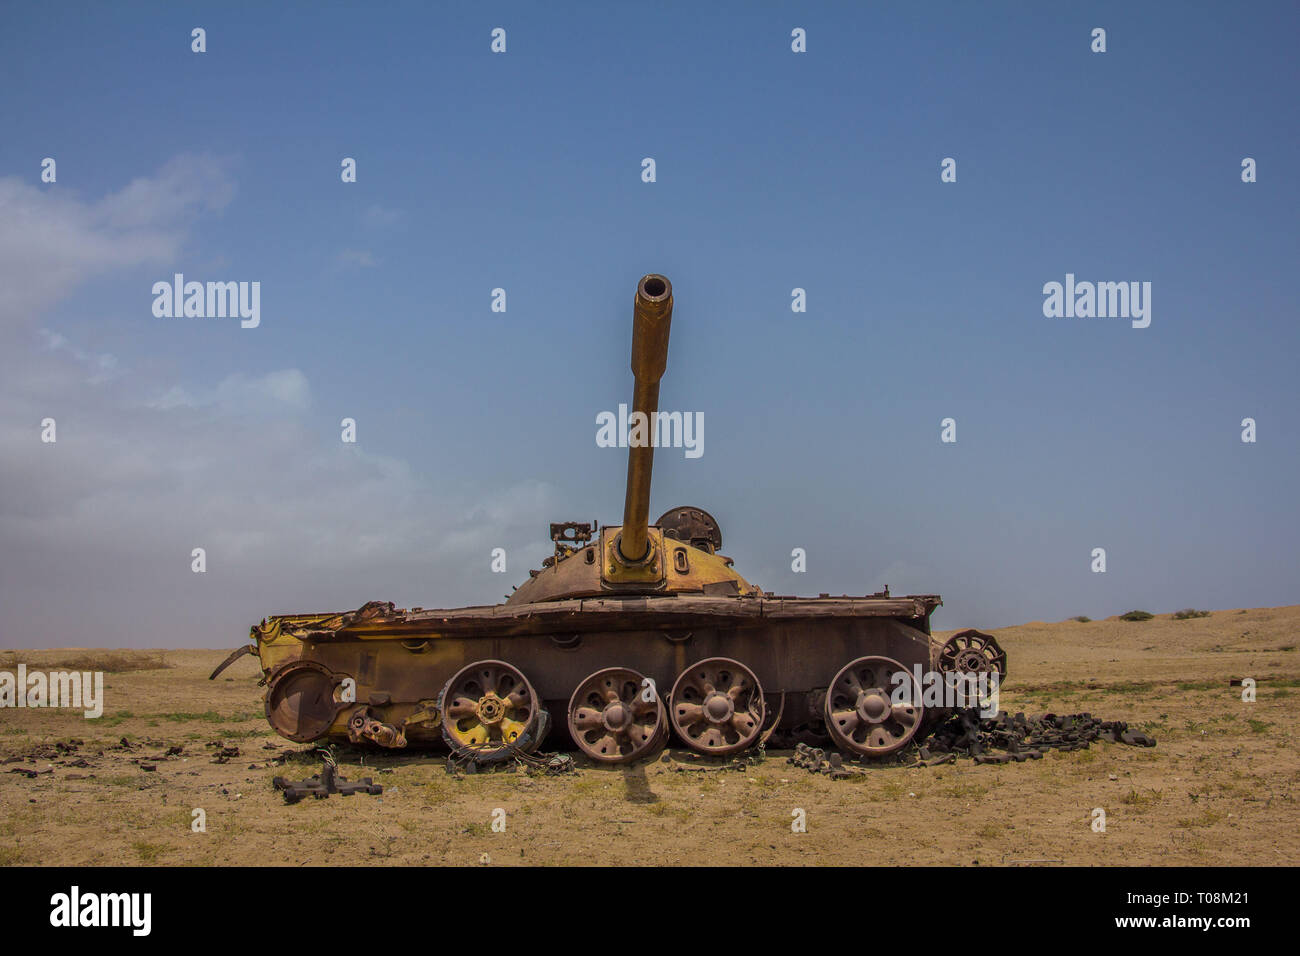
(972, 651)
(489, 706)
(717, 707)
(860, 715)
(610, 719)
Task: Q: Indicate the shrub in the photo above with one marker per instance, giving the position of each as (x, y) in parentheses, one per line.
(105, 661)
(1188, 612)
(1082, 619)
(1137, 616)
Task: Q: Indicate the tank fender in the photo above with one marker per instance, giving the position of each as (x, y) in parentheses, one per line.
(234, 656)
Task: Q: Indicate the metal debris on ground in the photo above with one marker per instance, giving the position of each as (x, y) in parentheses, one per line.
(552, 764)
(31, 774)
(510, 758)
(51, 751)
(59, 753)
(225, 754)
(1006, 738)
(817, 760)
(740, 763)
(321, 785)
(934, 761)
(289, 754)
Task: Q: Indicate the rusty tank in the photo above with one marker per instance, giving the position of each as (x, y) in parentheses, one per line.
(627, 636)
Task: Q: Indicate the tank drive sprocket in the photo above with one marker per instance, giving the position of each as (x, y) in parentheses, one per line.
(972, 652)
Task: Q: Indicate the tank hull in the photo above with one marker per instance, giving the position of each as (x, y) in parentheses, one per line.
(398, 662)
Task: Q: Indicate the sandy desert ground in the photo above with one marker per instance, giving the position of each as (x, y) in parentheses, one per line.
(1220, 787)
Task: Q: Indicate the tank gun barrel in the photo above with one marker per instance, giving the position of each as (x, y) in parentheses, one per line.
(652, 316)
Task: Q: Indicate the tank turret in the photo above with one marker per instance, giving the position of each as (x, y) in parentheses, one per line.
(637, 557)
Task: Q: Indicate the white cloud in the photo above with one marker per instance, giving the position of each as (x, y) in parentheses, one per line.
(96, 529)
(183, 186)
(101, 365)
(380, 217)
(240, 393)
(357, 257)
(51, 241)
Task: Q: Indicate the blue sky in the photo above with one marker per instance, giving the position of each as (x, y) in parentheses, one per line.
(521, 170)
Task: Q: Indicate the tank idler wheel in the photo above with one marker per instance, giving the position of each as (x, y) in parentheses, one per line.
(489, 706)
(717, 707)
(614, 717)
(861, 715)
(972, 651)
(300, 702)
